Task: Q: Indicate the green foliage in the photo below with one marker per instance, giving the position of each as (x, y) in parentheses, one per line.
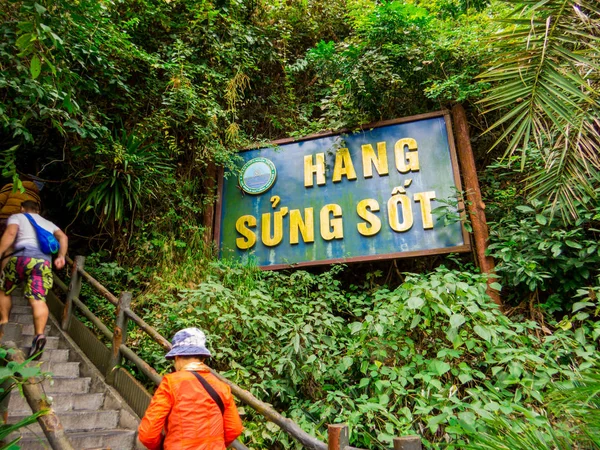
(452, 210)
(433, 356)
(133, 105)
(12, 376)
(569, 421)
(570, 417)
(546, 89)
(395, 49)
(536, 252)
(94, 93)
(129, 173)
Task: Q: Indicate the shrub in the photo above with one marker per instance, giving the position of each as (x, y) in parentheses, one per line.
(434, 356)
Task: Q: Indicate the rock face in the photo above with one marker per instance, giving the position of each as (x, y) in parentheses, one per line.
(91, 412)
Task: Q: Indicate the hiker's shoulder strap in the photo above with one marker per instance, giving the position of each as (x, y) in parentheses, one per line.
(211, 391)
(31, 220)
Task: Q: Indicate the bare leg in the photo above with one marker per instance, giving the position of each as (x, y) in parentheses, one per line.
(40, 315)
(5, 306)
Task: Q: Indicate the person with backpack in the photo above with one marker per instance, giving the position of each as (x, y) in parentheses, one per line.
(27, 247)
(191, 408)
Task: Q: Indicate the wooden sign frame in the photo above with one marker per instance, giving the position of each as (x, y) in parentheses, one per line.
(466, 247)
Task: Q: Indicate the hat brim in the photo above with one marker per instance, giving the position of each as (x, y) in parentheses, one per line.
(187, 351)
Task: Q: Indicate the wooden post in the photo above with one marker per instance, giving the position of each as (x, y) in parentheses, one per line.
(475, 206)
(73, 292)
(407, 443)
(210, 186)
(338, 437)
(119, 336)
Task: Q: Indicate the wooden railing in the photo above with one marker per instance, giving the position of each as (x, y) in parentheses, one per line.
(338, 436)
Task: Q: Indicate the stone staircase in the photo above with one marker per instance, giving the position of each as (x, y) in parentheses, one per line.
(91, 412)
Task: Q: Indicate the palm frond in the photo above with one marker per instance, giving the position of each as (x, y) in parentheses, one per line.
(545, 85)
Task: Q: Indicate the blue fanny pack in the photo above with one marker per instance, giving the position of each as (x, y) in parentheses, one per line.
(48, 243)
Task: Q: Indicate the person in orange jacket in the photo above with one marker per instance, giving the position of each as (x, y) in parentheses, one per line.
(183, 414)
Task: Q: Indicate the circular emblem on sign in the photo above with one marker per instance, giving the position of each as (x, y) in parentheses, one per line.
(257, 175)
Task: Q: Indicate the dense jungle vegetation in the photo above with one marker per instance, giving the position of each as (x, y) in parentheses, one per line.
(124, 107)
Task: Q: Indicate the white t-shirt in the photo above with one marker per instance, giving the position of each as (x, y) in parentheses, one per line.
(26, 236)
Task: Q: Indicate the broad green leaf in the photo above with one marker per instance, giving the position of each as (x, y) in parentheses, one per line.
(39, 8)
(26, 26)
(53, 70)
(465, 378)
(580, 335)
(495, 285)
(355, 327)
(439, 367)
(541, 219)
(525, 209)
(434, 422)
(23, 41)
(35, 67)
(456, 320)
(483, 332)
(415, 302)
(580, 305)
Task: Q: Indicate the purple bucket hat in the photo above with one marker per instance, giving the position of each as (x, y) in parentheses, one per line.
(188, 342)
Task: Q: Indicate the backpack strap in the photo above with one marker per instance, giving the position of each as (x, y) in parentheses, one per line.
(35, 228)
(211, 391)
(31, 220)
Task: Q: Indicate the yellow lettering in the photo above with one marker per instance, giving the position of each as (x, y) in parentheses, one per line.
(407, 216)
(343, 166)
(310, 169)
(267, 239)
(373, 224)
(369, 159)
(331, 228)
(411, 157)
(249, 238)
(425, 199)
(306, 228)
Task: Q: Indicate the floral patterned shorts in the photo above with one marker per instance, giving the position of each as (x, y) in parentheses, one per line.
(36, 273)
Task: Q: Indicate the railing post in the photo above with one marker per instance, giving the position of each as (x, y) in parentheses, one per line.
(338, 437)
(119, 336)
(407, 443)
(73, 292)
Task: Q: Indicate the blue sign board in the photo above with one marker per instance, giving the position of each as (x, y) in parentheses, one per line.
(343, 197)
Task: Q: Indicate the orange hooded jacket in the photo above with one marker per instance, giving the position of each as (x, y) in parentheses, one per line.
(191, 418)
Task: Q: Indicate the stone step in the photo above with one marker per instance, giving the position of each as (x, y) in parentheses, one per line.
(60, 402)
(18, 300)
(52, 354)
(24, 319)
(20, 310)
(106, 440)
(61, 369)
(12, 332)
(28, 329)
(59, 385)
(82, 420)
(52, 342)
(81, 413)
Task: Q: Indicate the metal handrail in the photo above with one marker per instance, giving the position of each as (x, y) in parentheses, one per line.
(338, 433)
